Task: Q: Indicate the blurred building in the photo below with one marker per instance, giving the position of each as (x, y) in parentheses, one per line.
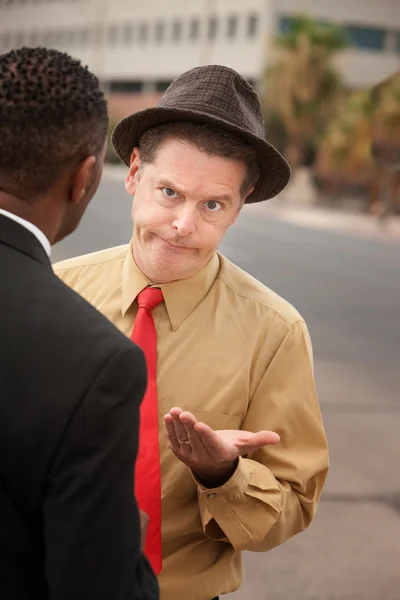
(140, 46)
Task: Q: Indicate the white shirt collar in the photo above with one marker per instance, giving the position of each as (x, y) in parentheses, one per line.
(32, 228)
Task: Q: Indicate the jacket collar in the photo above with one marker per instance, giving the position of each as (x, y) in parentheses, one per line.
(18, 237)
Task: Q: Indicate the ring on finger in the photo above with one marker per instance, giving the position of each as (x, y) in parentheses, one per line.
(187, 441)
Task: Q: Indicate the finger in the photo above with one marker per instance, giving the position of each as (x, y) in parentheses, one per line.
(195, 439)
(180, 430)
(170, 432)
(211, 440)
(187, 417)
(175, 411)
(252, 442)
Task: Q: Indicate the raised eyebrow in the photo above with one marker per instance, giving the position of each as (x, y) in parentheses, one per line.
(170, 184)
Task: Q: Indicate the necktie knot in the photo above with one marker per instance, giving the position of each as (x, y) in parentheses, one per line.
(150, 297)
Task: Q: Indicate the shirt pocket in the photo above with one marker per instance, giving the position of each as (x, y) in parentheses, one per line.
(215, 420)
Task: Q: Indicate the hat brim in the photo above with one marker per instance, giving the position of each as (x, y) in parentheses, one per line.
(275, 170)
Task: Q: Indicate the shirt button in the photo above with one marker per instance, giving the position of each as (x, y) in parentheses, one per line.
(212, 495)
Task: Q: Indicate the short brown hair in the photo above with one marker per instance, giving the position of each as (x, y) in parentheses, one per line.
(211, 140)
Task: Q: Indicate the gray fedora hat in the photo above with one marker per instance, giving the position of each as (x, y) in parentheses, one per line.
(219, 97)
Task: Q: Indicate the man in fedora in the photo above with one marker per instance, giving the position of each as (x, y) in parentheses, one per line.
(230, 423)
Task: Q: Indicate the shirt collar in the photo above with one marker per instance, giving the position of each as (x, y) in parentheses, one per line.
(30, 227)
(181, 297)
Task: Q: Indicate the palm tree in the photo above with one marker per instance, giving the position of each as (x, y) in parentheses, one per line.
(385, 133)
(385, 99)
(302, 88)
(344, 154)
(361, 147)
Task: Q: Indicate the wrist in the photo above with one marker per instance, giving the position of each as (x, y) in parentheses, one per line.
(216, 477)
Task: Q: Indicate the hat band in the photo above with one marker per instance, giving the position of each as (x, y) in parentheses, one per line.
(212, 111)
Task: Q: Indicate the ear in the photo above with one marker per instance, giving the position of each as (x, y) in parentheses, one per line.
(132, 177)
(242, 201)
(246, 196)
(83, 179)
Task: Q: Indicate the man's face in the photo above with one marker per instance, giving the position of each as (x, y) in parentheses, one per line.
(183, 204)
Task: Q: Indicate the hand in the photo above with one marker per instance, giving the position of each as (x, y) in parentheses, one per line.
(212, 455)
(144, 521)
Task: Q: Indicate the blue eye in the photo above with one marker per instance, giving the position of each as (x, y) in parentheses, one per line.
(213, 205)
(169, 192)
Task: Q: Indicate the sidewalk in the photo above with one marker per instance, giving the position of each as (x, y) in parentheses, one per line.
(335, 220)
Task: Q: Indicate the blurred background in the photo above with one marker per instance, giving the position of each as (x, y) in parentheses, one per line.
(328, 74)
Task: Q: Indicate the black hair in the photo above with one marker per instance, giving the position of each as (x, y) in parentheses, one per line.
(52, 114)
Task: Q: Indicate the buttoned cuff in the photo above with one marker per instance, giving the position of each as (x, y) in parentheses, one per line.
(214, 504)
(232, 488)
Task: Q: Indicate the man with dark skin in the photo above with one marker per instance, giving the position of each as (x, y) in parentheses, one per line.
(71, 384)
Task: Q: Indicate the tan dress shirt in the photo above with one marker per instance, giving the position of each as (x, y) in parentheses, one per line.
(238, 357)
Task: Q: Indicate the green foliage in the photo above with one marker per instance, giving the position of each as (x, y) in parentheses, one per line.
(328, 37)
(303, 88)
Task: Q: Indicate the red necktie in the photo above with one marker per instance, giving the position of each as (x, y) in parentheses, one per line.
(148, 472)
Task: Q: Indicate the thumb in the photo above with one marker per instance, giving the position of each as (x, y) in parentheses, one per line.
(258, 440)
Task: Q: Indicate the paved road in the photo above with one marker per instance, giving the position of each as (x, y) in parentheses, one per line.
(348, 289)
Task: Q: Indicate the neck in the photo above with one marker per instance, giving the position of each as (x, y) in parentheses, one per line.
(37, 212)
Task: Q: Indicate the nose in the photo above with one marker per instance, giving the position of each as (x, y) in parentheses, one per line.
(185, 220)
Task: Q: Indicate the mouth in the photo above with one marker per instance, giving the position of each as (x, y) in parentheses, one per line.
(174, 246)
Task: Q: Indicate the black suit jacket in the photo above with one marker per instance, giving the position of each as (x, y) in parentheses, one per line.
(70, 390)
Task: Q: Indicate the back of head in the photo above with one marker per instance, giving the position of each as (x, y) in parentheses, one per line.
(52, 115)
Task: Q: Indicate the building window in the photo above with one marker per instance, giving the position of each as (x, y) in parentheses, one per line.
(98, 35)
(143, 32)
(398, 42)
(91, 36)
(125, 86)
(113, 35)
(159, 31)
(366, 38)
(128, 33)
(232, 26)
(162, 85)
(285, 25)
(212, 27)
(194, 29)
(176, 30)
(252, 25)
